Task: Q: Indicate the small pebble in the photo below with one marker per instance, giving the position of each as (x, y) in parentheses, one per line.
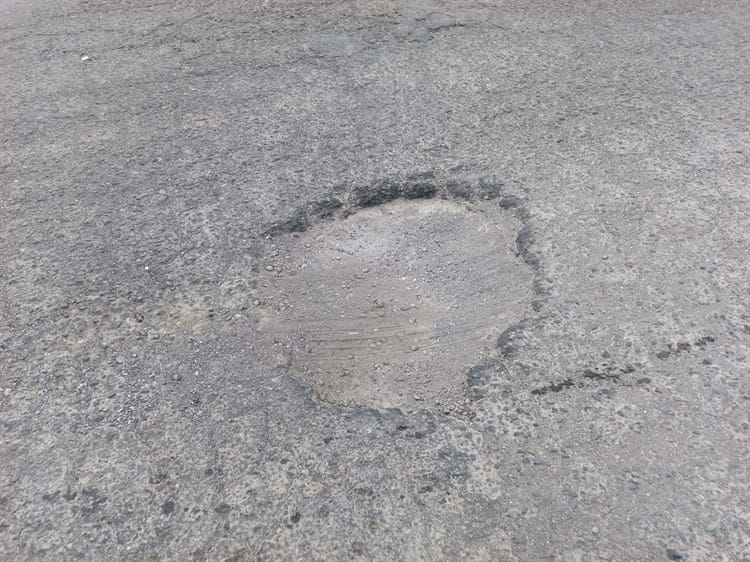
(7, 392)
(269, 268)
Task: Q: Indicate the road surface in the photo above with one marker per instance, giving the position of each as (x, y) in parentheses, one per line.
(178, 180)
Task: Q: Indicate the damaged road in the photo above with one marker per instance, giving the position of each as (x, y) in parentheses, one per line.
(374, 281)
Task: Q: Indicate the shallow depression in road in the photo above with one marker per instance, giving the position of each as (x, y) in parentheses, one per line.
(390, 306)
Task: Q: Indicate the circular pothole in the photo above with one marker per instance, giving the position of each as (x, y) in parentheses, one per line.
(390, 306)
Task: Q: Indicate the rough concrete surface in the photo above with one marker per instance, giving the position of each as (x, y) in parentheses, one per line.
(167, 168)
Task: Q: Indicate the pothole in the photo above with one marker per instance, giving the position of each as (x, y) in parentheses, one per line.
(391, 306)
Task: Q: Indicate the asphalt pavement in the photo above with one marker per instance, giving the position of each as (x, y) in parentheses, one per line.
(179, 179)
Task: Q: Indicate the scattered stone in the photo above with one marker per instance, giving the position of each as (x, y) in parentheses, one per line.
(672, 554)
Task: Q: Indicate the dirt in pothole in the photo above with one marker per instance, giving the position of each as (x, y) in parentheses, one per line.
(391, 306)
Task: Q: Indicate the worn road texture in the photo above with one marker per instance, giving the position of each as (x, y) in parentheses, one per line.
(331, 280)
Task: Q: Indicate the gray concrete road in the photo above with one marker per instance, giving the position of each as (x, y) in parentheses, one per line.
(218, 221)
